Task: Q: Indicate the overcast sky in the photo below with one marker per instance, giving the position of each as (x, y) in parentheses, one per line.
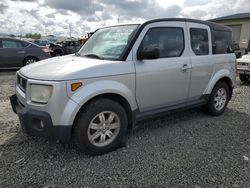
(57, 16)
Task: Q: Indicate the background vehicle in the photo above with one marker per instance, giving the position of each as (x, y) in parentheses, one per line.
(18, 53)
(43, 43)
(64, 48)
(243, 66)
(124, 74)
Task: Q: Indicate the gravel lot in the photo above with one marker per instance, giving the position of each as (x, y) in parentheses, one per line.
(187, 149)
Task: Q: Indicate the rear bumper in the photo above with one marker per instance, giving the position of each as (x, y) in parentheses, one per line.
(39, 123)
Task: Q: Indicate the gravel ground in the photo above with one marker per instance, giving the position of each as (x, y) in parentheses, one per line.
(186, 149)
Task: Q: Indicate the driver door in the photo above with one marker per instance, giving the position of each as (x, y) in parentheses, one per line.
(164, 82)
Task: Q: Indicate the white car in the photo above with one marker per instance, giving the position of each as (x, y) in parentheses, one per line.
(124, 74)
(243, 67)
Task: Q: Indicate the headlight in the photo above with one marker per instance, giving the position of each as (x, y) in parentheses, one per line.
(40, 93)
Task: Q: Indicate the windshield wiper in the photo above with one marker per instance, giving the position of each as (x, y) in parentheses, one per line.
(93, 56)
(77, 54)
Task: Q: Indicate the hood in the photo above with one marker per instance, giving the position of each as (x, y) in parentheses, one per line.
(72, 67)
(244, 59)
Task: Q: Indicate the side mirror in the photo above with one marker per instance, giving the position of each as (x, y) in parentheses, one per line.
(148, 53)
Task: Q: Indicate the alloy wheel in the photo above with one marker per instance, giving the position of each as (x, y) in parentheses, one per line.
(104, 128)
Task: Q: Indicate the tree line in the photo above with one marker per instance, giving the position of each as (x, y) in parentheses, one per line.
(33, 35)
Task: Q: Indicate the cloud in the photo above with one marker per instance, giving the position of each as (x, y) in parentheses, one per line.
(26, 0)
(3, 8)
(214, 8)
(146, 9)
(85, 7)
(55, 16)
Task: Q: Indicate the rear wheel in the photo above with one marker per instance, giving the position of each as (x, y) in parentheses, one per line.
(243, 78)
(100, 127)
(218, 99)
(58, 53)
(29, 60)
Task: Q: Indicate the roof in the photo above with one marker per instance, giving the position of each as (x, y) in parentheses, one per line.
(212, 25)
(233, 17)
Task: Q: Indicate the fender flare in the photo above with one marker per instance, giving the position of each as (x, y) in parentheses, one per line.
(224, 73)
(98, 88)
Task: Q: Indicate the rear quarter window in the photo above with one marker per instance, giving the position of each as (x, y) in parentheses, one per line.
(222, 42)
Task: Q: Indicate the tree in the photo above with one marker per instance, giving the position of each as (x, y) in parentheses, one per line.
(33, 35)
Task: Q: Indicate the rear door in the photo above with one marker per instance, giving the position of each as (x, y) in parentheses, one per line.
(164, 82)
(12, 53)
(201, 57)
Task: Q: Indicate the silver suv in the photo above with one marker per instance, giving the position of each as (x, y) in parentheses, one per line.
(124, 74)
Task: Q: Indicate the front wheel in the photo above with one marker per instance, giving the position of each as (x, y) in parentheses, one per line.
(100, 127)
(218, 99)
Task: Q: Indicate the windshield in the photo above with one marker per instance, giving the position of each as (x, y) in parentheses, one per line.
(108, 43)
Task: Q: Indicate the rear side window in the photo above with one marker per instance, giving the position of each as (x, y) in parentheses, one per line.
(170, 41)
(199, 41)
(222, 42)
(10, 44)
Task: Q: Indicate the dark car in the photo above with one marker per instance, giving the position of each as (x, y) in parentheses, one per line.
(64, 48)
(43, 43)
(18, 53)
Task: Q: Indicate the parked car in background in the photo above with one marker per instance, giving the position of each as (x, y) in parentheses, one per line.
(64, 48)
(18, 53)
(243, 66)
(236, 49)
(43, 43)
(124, 74)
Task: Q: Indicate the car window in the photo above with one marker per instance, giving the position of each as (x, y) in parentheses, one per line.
(109, 43)
(199, 41)
(10, 44)
(71, 43)
(170, 41)
(222, 42)
(25, 44)
(76, 43)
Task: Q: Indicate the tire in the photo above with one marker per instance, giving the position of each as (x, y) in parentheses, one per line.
(94, 133)
(29, 60)
(244, 78)
(216, 107)
(58, 53)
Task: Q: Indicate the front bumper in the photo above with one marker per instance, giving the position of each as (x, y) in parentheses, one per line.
(243, 71)
(39, 123)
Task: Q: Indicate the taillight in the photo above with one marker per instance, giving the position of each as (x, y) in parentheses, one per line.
(46, 50)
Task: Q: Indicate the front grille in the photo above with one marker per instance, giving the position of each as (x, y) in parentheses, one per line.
(22, 83)
(245, 64)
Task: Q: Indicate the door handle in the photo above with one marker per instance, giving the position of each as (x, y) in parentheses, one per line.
(21, 52)
(185, 67)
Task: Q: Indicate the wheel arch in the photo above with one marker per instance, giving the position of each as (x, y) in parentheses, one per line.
(115, 97)
(221, 76)
(29, 56)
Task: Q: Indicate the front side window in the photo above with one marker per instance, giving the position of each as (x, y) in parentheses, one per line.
(169, 41)
(108, 43)
(199, 41)
(10, 44)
